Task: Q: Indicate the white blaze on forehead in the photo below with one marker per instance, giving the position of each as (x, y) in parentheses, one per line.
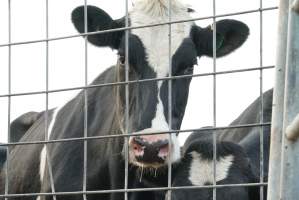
(155, 39)
(201, 170)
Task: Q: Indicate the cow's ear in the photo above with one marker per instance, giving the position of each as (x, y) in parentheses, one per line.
(230, 35)
(98, 20)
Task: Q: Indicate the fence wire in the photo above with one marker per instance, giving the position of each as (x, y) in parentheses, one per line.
(126, 83)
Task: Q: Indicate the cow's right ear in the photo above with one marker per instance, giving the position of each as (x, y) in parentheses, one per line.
(98, 20)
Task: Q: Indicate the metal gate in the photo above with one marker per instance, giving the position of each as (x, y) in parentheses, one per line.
(283, 172)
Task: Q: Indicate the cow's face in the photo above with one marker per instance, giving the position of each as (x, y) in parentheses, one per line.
(149, 58)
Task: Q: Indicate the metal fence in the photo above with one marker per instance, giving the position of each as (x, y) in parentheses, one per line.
(283, 170)
(283, 112)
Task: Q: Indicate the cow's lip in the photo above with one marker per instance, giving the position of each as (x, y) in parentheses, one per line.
(154, 165)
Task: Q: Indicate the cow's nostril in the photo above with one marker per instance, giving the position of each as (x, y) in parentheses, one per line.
(137, 147)
(162, 144)
(163, 149)
(139, 141)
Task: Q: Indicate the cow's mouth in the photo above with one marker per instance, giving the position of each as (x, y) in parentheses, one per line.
(143, 153)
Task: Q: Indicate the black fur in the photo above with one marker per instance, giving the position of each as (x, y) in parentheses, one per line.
(3, 151)
(248, 138)
(20, 125)
(98, 20)
(230, 35)
(18, 128)
(239, 172)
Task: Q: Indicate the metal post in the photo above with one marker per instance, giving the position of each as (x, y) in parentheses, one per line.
(9, 102)
(261, 129)
(46, 146)
(214, 102)
(278, 104)
(169, 98)
(290, 151)
(127, 98)
(85, 144)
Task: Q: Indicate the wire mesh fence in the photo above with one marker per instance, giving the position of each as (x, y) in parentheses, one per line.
(127, 83)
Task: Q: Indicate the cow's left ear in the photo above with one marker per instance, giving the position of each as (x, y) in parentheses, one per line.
(98, 20)
(230, 35)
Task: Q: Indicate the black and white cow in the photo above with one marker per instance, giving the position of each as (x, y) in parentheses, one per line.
(196, 169)
(148, 58)
(241, 143)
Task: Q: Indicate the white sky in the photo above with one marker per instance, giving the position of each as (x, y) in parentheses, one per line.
(66, 59)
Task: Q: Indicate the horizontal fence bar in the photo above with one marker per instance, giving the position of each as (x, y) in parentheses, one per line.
(136, 134)
(134, 190)
(138, 27)
(138, 81)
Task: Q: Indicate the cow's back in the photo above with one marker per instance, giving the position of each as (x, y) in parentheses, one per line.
(24, 162)
(249, 138)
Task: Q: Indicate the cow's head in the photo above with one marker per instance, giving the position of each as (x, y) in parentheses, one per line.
(149, 58)
(233, 166)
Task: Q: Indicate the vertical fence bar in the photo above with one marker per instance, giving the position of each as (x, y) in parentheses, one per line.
(278, 104)
(85, 101)
(261, 105)
(169, 99)
(9, 100)
(214, 102)
(290, 151)
(127, 108)
(46, 146)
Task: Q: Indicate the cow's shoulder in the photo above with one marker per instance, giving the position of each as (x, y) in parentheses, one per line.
(22, 124)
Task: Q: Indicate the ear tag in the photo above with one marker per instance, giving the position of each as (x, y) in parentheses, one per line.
(219, 38)
(219, 42)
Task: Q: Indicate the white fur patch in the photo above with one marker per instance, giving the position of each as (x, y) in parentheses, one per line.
(43, 154)
(53, 120)
(176, 150)
(201, 170)
(42, 166)
(159, 121)
(156, 44)
(156, 39)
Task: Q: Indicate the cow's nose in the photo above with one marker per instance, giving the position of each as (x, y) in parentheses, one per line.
(148, 151)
